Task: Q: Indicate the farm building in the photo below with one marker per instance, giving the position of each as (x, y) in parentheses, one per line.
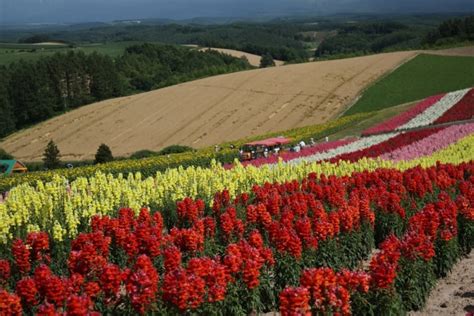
(8, 167)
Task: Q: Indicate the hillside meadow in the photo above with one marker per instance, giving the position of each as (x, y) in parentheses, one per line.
(419, 78)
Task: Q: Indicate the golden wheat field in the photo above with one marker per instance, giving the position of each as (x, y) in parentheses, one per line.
(209, 111)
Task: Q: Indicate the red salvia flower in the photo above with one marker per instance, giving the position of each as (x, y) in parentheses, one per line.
(26, 289)
(21, 254)
(39, 244)
(295, 302)
(55, 291)
(5, 271)
(172, 258)
(10, 304)
(110, 280)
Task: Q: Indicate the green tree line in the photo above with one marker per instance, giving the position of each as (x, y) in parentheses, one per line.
(370, 38)
(31, 92)
(452, 30)
(282, 40)
(375, 37)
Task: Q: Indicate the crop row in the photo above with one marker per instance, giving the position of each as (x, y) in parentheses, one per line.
(463, 110)
(403, 118)
(400, 141)
(201, 158)
(430, 144)
(454, 106)
(292, 246)
(394, 146)
(61, 208)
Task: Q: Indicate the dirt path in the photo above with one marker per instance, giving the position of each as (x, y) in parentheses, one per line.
(453, 295)
(208, 111)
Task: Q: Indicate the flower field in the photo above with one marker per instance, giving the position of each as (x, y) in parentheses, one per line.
(361, 226)
(445, 108)
(203, 157)
(295, 246)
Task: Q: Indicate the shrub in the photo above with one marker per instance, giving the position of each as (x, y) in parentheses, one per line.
(51, 156)
(145, 153)
(104, 154)
(4, 155)
(175, 149)
(267, 61)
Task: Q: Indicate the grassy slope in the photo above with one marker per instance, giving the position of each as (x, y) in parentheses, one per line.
(423, 76)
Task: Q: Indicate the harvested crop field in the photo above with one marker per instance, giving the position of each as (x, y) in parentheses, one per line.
(254, 60)
(208, 111)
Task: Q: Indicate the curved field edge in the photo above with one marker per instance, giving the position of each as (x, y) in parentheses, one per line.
(421, 77)
(208, 111)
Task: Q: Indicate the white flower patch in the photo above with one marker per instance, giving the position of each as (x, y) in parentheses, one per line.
(357, 145)
(435, 111)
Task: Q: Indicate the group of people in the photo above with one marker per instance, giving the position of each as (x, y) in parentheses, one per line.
(275, 151)
(302, 144)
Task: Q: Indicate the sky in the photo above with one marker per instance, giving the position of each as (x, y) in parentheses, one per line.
(64, 11)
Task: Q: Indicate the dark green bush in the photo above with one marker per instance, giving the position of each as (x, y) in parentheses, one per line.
(4, 155)
(175, 149)
(145, 153)
(104, 154)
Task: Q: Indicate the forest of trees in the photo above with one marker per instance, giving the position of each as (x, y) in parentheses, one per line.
(376, 37)
(369, 38)
(281, 40)
(31, 92)
(452, 30)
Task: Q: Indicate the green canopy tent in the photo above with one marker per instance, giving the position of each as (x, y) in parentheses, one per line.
(7, 167)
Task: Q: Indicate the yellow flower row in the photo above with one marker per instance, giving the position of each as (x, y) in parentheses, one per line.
(202, 157)
(61, 208)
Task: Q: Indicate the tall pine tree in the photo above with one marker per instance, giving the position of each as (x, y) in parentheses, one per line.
(7, 119)
(51, 156)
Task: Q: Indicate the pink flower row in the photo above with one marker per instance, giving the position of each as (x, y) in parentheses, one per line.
(431, 144)
(405, 117)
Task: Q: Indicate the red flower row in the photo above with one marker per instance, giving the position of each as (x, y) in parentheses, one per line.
(135, 261)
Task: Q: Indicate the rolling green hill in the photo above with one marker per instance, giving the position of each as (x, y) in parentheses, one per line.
(419, 78)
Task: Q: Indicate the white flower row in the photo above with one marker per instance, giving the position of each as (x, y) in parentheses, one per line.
(431, 114)
(354, 146)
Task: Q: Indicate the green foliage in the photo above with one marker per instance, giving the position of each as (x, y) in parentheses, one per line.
(267, 61)
(55, 84)
(103, 155)
(4, 155)
(415, 279)
(7, 119)
(37, 38)
(369, 38)
(465, 235)
(378, 302)
(447, 253)
(387, 223)
(421, 77)
(172, 149)
(175, 149)
(51, 156)
(455, 29)
(143, 154)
